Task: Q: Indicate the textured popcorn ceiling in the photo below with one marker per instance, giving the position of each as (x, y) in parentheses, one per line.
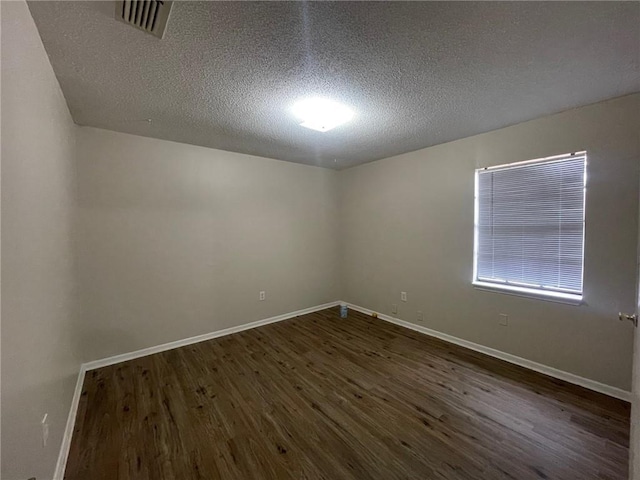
(417, 73)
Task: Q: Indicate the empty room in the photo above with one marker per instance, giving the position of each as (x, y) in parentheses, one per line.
(319, 240)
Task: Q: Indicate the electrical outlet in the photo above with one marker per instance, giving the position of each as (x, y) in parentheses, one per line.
(263, 295)
(403, 296)
(394, 308)
(503, 319)
(45, 430)
(420, 316)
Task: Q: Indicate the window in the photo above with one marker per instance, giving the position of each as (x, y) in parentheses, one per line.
(529, 227)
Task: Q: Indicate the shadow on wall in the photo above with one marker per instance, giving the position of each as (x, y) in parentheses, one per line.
(27, 403)
(110, 340)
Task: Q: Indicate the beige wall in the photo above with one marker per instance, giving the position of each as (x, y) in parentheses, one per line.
(177, 240)
(39, 365)
(407, 225)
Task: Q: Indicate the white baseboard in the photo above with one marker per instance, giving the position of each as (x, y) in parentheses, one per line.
(68, 431)
(507, 357)
(104, 362)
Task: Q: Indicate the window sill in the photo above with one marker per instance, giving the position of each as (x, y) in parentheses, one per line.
(565, 298)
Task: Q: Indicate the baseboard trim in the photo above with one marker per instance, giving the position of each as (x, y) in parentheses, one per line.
(104, 362)
(68, 430)
(507, 357)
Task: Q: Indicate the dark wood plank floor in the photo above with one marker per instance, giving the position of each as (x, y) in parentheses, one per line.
(321, 397)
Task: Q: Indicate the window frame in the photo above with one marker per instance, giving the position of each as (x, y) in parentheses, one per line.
(540, 293)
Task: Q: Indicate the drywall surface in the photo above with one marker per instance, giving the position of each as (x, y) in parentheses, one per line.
(39, 366)
(176, 240)
(407, 225)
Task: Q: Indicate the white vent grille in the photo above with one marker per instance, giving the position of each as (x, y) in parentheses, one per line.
(148, 15)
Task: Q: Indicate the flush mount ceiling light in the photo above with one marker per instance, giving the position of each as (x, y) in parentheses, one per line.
(321, 114)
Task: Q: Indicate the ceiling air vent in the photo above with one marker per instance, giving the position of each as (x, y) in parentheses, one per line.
(148, 15)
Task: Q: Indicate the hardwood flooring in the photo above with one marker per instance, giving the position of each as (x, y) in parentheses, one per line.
(319, 397)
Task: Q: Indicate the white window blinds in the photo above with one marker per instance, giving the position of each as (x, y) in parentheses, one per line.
(530, 225)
